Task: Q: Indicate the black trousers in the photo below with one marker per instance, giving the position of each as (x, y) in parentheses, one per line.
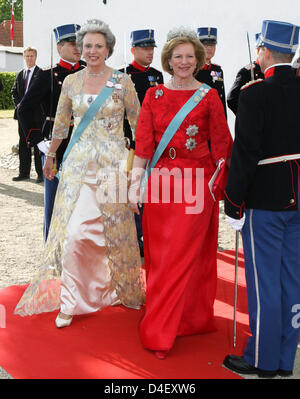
(25, 157)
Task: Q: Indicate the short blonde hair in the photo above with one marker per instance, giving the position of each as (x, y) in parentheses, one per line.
(169, 47)
(30, 49)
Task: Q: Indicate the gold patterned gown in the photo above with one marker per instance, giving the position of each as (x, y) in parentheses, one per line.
(91, 257)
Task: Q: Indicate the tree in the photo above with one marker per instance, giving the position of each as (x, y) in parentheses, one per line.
(5, 10)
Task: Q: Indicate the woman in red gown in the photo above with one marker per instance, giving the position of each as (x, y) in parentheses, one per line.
(180, 236)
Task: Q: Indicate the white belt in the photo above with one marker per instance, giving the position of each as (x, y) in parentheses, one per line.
(282, 158)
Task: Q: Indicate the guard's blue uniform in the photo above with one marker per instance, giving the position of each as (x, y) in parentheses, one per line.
(267, 127)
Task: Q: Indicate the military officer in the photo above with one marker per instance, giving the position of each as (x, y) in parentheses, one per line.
(140, 70)
(262, 199)
(211, 74)
(45, 90)
(143, 77)
(243, 77)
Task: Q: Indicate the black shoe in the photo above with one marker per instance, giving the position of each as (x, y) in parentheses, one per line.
(39, 179)
(20, 178)
(239, 365)
(285, 373)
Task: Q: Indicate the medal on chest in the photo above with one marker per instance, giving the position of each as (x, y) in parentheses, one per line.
(216, 76)
(152, 80)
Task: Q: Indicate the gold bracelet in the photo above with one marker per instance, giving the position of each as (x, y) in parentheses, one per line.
(51, 154)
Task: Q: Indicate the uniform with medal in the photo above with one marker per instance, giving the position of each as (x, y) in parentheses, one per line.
(45, 91)
(143, 78)
(262, 196)
(211, 74)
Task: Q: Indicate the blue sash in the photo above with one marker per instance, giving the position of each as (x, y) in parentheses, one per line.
(88, 116)
(171, 130)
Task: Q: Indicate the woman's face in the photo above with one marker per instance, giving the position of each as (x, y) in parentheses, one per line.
(183, 60)
(210, 50)
(94, 49)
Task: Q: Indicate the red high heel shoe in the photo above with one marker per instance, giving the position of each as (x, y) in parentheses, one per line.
(161, 355)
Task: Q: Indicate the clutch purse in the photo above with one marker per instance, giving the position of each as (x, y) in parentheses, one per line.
(130, 160)
(218, 181)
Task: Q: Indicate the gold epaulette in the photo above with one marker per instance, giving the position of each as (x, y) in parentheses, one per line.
(252, 82)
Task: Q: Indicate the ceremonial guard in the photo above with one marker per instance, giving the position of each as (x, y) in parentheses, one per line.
(45, 91)
(211, 74)
(143, 77)
(262, 200)
(245, 75)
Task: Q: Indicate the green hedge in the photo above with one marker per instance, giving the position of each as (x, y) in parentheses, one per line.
(7, 79)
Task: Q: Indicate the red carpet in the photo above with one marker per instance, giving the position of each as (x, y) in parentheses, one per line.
(106, 344)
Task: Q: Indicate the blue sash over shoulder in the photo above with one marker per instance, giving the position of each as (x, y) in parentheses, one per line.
(174, 125)
(89, 115)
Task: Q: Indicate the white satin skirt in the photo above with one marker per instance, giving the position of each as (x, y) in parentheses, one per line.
(85, 280)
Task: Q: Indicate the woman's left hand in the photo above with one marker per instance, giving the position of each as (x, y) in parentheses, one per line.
(48, 168)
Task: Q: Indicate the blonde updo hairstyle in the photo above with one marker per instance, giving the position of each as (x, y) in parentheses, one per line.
(179, 36)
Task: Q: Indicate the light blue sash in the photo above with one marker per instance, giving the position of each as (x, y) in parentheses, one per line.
(88, 116)
(172, 129)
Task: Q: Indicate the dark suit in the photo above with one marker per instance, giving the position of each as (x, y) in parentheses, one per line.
(18, 92)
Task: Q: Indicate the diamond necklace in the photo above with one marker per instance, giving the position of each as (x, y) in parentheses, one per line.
(181, 86)
(95, 74)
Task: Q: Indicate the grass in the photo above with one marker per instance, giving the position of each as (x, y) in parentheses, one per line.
(6, 113)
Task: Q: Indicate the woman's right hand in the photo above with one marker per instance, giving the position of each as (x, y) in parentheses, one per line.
(48, 168)
(134, 196)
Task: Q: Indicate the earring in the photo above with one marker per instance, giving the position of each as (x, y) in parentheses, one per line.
(171, 68)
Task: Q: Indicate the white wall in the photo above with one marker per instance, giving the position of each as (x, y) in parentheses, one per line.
(11, 60)
(233, 18)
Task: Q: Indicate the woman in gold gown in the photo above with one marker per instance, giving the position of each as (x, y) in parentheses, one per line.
(91, 258)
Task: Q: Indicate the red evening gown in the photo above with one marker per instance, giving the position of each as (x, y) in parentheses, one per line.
(180, 248)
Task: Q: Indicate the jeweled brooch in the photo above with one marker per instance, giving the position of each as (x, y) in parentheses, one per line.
(190, 144)
(158, 93)
(191, 131)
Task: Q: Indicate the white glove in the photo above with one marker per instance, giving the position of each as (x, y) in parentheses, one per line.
(236, 224)
(43, 147)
